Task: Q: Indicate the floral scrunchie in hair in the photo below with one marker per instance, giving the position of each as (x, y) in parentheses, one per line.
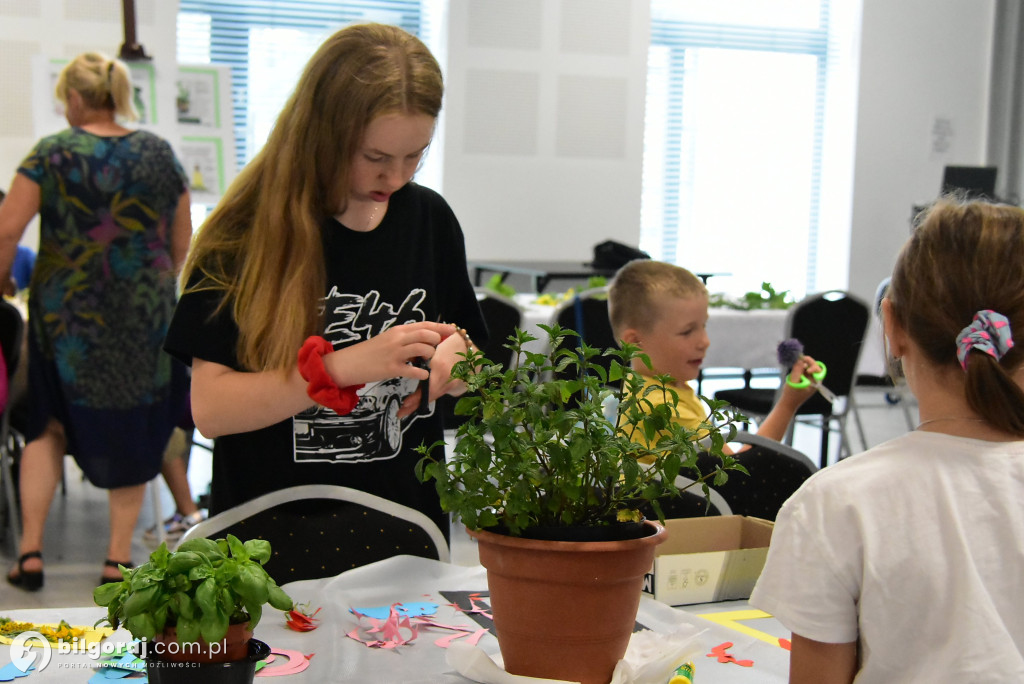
(988, 332)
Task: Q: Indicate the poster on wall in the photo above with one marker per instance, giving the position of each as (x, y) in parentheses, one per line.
(47, 111)
(144, 92)
(203, 112)
(198, 97)
(203, 159)
(199, 126)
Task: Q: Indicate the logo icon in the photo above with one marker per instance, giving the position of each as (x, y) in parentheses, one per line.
(23, 655)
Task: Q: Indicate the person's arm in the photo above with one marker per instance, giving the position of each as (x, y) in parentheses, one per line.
(776, 423)
(816, 662)
(17, 209)
(181, 231)
(226, 401)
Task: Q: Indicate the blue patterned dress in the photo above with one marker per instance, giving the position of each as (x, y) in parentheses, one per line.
(101, 298)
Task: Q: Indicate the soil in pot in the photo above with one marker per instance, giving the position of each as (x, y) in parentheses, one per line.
(241, 671)
(565, 610)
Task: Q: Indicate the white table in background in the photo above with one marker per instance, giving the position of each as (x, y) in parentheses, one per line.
(739, 339)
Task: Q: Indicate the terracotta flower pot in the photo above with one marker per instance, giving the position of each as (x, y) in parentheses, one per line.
(565, 610)
(234, 646)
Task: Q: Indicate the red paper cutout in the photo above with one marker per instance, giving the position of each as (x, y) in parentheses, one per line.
(786, 644)
(723, 657)
(299, 618)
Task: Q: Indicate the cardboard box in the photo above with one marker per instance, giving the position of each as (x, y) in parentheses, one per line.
(717, 558)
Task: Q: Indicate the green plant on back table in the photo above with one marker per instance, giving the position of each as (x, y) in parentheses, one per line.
(765, 298)
(537, 451)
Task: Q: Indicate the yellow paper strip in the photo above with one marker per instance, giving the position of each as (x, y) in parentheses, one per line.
(732, 620)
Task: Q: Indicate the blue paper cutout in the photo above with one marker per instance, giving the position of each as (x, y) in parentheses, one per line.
(404, 609)
(10, 672)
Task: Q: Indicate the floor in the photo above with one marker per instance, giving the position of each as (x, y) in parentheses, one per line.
(77, 526)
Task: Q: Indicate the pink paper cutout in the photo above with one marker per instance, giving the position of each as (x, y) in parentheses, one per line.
(399, 629)
(446, 641)
(390, 629)
(474, 638)
(296, 663)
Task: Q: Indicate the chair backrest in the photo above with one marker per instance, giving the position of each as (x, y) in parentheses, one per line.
(322, 530)
(776, 471)
(12, 330)
(690, 502)
(502, 316)
(832, 325)
(587, 314)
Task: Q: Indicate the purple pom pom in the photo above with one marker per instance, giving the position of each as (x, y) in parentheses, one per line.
(789, 351)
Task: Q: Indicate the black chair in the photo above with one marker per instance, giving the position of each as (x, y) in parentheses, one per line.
(831, 325)
(690, 503)
(502, 316)
(322, 530)
(776, 471)
(587, 314)
(896, 391)
(12, 332)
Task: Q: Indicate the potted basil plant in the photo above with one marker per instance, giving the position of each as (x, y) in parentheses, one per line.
(197, 604)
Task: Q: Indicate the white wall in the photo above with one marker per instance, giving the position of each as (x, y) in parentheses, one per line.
(544, 107)
(921, 60)
(62, 29)
(924, 79)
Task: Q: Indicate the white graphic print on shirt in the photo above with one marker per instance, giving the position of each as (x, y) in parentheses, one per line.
(373, 430)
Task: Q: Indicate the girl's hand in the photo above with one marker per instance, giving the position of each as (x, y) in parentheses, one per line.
(387, 355)
(447, 354)
(445, 357)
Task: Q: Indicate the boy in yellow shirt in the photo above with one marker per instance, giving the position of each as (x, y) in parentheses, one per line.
(663, 309)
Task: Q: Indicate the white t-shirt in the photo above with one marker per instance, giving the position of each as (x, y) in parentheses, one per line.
(916, 549)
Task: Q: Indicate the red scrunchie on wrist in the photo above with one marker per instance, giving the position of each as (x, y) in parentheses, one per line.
(322, 389)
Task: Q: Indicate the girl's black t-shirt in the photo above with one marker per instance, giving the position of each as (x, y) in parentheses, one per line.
(412, 267)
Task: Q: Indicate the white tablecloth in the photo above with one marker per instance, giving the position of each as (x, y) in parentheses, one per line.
(739, 339)
(408, 580)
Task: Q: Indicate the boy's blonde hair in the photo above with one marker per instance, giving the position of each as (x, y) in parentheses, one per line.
(261, 246)
(103, 83)
(638, 288)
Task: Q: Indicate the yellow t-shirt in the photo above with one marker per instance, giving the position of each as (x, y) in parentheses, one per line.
(690, 412)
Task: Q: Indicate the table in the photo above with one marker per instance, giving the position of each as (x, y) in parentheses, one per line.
(540, 272)
(408, 579)
(739, 339)
(543, 272)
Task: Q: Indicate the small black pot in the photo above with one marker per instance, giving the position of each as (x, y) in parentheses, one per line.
(236, 672)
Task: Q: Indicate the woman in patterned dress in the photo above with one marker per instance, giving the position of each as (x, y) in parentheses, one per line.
(114, 229)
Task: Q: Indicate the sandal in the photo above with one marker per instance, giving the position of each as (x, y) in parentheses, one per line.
(113, 564)
(29, 580)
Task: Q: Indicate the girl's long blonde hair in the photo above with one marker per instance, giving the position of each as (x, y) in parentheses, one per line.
(261, 245)
(103, 83)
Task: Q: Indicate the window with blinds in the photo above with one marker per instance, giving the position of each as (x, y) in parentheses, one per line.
(734, 150)
(268, 42)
